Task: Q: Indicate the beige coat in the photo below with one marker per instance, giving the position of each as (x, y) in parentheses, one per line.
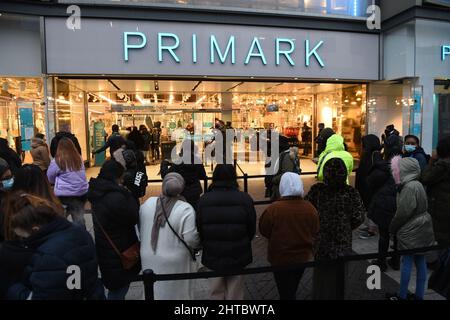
(40, 154)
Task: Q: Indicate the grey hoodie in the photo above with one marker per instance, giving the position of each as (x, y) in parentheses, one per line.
(412, 222)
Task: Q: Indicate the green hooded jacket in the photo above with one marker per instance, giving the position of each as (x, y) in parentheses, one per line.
(334, 149)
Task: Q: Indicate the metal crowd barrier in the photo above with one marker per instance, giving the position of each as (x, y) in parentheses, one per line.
(149, 278)
(244, 177)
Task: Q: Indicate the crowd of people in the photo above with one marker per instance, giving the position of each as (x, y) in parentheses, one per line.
(400, 192)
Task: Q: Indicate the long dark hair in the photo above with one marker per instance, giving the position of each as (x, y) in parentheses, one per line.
(26, 211)
(67, 156)
(30, 179)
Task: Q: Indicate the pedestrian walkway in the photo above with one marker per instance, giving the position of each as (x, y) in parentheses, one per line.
(262, 286)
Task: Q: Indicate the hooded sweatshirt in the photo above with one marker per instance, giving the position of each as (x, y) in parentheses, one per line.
(412, 223)
(290, 224)
(335, 149)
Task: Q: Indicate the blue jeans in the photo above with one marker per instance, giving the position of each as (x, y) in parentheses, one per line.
(118, 294)
(421, 277)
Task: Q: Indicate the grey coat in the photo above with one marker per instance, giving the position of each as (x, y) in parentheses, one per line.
(412, 223)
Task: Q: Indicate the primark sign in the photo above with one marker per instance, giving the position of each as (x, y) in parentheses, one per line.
(284, 48)
(136, 47)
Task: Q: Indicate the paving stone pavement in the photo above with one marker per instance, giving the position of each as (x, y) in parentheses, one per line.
(262, 286)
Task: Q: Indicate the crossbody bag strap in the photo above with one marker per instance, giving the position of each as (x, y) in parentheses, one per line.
(176, 233)
(107, 236)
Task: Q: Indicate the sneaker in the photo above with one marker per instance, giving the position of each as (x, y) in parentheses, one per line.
(380, 263)
(394, 263)
(366, 235)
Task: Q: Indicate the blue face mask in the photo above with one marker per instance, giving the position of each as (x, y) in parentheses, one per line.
(7, 184)
(410, 148)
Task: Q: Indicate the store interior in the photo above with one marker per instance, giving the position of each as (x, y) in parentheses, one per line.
(17, 95)
(294, 109)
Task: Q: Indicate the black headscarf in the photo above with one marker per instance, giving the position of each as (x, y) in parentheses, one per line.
(111, 170)
(393, 146)
(322, 139)
(335, 174)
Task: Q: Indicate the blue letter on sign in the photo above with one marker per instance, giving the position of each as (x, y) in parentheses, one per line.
(286, 53)
(126, 46)
(162, 47)
(259, 54)
(308, 53)
(445, 52)
(214, 46)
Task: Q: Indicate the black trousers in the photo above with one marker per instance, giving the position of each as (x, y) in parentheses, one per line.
(287, 283)
(383, 243)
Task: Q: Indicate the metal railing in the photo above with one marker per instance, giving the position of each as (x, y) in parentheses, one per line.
(245, 177)
(149, 278)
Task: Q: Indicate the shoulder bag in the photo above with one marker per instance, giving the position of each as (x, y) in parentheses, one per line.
(130, 257)
(191, 251)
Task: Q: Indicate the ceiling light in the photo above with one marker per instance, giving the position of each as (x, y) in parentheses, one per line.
(105, 98)
(139, 99)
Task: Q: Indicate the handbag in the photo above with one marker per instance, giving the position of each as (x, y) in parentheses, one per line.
(191, 251)
(129, 257)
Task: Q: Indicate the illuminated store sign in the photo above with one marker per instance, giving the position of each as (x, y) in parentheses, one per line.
(173, 48)
(169, 43)
(445, 51)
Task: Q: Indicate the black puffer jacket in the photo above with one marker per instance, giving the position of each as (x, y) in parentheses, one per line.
(192, 174)
(118, 212)
(383, 204)
(59, 136)
(55, 247)
(371, 144)
(226, 221)
(436, 178)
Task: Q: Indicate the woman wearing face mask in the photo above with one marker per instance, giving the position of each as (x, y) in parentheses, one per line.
(6, 183)
(414, 150)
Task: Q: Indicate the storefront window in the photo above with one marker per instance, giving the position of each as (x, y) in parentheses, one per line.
(442, 108)
(344, 110)
(21, 112)
(390, 104)
(292, 109)
(71, 113)
(353, 8)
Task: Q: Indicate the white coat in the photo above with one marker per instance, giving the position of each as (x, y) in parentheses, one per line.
(171, 256)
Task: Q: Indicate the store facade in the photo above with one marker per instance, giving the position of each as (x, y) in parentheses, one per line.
(178, 53)
(141, 65)
(416, 53)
